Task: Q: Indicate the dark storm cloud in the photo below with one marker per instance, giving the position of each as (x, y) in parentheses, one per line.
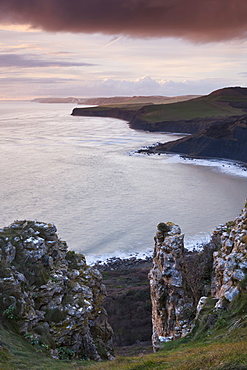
(198, 20)
(33, 61)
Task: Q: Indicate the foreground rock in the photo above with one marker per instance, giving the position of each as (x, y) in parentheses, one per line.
(230, 260)
(181, 281)
(170, 300)
(51, 294)
(178, 279)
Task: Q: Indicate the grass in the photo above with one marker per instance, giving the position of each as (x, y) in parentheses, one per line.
(224, 103)
(203, 356)
(221, 346)
(191, 109)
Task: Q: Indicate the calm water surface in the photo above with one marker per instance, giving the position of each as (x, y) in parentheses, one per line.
(77, 172)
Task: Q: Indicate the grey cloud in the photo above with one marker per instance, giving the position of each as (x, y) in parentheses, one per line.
(33, 61)
(27, 80)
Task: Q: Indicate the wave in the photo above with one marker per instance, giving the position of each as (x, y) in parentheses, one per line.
(220, 165)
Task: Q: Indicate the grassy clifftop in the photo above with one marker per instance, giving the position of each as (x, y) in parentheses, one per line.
(181, 116)
(224, 102)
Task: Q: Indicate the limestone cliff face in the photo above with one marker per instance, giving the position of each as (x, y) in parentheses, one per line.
(51, 294)
(230, 261)
(170, 301)
(181, 280)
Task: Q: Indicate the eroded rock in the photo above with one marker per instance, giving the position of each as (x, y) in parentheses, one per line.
(181, 281)
(171, 305)
(230, 260)
(53, 295)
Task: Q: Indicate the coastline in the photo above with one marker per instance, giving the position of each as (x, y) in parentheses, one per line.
(228, 166)
(204, 138)
(117, 263)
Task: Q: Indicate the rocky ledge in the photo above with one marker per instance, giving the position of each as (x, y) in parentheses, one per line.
(51, 296)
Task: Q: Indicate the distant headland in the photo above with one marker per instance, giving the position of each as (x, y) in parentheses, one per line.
(217, 122)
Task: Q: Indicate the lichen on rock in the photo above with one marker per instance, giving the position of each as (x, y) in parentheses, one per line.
(230, 260)
(181, 281)
(170, 301)
(52, 294)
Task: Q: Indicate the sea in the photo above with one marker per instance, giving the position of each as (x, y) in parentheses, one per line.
(83, 175)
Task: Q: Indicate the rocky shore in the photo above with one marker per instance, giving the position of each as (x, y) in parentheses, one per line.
(217, 124)
(226, 140)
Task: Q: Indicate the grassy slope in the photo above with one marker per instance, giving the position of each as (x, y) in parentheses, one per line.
(218, 341)
(195, 108)
(138, 101)
(212, 105)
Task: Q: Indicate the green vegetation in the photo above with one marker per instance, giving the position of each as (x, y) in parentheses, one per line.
(128, 298)
(221, 103)
(218, 341)
(195, 108)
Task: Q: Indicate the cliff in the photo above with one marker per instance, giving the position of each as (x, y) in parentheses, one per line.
(120, 113)
(50, 295)
(138, 121)
(226, 140)
(184, 116)
(183, 282)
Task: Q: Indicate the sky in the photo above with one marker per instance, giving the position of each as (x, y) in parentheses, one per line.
(85, 48)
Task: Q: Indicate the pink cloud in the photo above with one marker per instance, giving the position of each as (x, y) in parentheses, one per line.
(210, 20)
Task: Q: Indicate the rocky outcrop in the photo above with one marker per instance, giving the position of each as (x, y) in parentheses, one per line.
(226, 140)
(171, 303)
(230, 260)
(51, 294)
(181, 281)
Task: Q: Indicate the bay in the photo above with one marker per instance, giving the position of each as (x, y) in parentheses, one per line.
(80, 173)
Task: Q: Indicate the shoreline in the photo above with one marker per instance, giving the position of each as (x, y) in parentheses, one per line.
(240, 167)
(117, 263)
(203, 138)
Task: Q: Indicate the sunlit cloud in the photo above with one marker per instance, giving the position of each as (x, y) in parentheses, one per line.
(55, 86)
(17, 27)
(16, 48)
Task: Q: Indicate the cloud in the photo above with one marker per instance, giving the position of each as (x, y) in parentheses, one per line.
(35, 81)
(10, 87)
(147, 86)
(32, 61)
(204, 21)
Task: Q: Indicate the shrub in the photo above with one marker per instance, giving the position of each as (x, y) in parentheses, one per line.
(65, 353)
